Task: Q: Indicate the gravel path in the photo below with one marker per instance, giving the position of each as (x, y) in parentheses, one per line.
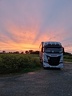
(40, 83)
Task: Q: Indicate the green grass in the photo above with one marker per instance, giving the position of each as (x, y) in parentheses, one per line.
(14, 63)
(68, 58)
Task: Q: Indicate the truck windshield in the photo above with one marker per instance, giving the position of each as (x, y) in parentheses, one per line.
(53, 50)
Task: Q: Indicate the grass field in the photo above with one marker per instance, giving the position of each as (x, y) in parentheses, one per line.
(16, 63)
(12, 63)
(68, 58)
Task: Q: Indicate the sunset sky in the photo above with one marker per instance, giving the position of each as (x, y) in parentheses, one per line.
(24, 24)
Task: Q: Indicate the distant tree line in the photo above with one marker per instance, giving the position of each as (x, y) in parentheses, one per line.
(66, 53)
(30, 52)
(26, 52)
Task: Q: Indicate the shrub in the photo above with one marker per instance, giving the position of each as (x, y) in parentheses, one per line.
(10, 63)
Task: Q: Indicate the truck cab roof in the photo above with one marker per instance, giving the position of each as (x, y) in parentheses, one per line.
(51, 44)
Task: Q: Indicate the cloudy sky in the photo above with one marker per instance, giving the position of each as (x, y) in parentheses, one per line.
(26, 23)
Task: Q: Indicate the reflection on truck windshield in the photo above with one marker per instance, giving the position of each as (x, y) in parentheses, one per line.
(53, 50)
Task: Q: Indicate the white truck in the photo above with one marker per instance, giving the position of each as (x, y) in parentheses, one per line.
(51, 54)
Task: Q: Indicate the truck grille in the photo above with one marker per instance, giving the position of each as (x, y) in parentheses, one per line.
(54, 61)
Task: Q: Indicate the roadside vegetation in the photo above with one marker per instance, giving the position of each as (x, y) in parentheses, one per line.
(21, 63)
(68, 58)
(14, 63)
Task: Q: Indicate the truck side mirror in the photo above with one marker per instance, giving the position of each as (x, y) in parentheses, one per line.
(63, 50)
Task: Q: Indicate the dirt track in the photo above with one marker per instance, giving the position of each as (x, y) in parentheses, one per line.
(40, 83)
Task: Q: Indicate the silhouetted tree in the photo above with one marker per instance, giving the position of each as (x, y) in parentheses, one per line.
(36, 52)
(3, 52)
(33, 52)
(17, 52)
(66, 53)
(10, 52)
(30, 51)
(26, 52)
(22, 52)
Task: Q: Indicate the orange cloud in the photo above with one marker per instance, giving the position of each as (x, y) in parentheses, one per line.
(19, 38)
(22, 38)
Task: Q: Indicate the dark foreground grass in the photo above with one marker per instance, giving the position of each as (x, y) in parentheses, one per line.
(18, 63)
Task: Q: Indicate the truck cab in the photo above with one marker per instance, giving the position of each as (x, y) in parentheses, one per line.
(51, 54)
